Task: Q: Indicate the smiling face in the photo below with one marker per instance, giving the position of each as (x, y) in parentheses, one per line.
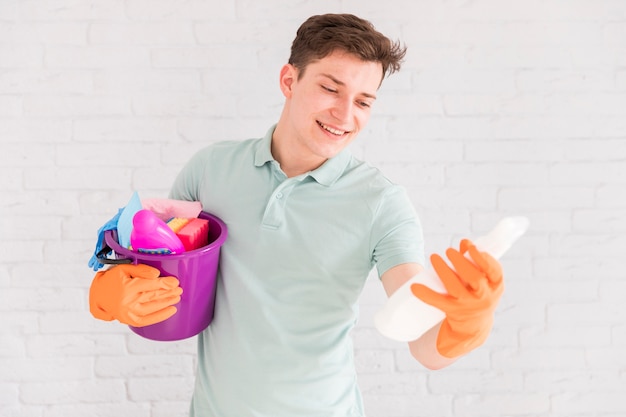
(327, 104)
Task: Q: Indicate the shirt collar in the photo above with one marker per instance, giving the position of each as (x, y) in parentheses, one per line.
(327, 174)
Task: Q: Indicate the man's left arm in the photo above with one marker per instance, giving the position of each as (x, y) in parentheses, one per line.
(423, 349)
(474, 285)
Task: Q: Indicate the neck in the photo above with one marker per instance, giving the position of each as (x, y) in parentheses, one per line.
(292, 160)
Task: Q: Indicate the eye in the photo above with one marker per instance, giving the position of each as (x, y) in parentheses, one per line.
(329, 89)
(364, 104)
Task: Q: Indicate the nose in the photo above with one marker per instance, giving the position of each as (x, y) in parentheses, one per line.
(343, 109)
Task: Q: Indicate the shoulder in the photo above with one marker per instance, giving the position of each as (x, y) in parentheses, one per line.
(362, 174)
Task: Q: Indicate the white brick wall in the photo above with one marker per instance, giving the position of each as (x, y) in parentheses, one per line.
(503, 107)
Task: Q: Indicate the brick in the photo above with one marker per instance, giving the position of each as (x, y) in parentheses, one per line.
(599, 221)
(95, 57)
(44, 32)
(619, 335)
(462, 382)
(575, 380)
(144, 366)
(11, 179)
(202, 57)
(241, 33)
(517, 174)
(45, 81)
(564, 80)
(592, 402)
(84, 155)
(76, 106)
(8, 394)
(399, 405)
(15, 299)
(11, 106)
(31, 228)
(513, 404)
(116, 409)
(11, 345)
(124, 81)
(588, 173)
(23, 56)
(552, 291)
(166, 10)
(585, 313)
(80, 321)
(467, 81)
(605, 358)
(162, 389)
(67, 251)
(611, 195)
(67, 11)
(513, 151)
(185, 105)
(550, 199)
(27, 155)
(45, 370)
(592, 150)
(539, 358)
(566, 336)
(72, 392)
(73, 178)
(155, 178)
(170, 409)
(22, 411)
(117, 132)
(52, 203)
(35, 131)
(74, 345)
(142, 33)
(21, 251)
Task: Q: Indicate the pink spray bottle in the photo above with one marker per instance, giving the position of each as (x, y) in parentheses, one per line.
(152, 235)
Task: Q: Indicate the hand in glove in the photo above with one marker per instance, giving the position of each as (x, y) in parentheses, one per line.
(134, 295)
(474, 289)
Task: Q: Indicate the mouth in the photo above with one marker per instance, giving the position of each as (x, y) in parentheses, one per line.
(332, 130)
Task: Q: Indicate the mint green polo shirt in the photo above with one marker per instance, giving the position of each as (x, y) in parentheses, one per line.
(298, 253)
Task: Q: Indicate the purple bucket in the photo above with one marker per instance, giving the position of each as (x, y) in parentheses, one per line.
(197, 272)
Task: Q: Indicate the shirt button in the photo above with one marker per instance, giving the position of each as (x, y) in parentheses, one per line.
(279, 195)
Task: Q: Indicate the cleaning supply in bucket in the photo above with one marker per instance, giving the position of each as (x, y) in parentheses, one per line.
(193, 233)
(111, 224)
(152, 235)
(125, 222)
(404, 317)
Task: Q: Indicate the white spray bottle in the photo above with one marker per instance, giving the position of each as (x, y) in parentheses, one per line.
(404, 317)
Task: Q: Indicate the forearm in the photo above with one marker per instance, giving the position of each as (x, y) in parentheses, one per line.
(425, 350)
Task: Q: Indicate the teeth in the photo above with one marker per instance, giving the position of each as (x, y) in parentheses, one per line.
(331, 130)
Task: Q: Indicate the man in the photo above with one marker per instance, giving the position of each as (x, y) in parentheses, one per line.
(307, 222)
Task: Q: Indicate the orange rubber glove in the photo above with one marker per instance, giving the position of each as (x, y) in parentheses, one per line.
(134, 295)
(474, 289)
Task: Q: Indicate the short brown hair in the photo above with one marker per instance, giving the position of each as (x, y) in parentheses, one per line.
(321, 35)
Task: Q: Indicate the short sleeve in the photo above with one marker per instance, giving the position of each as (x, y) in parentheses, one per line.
(189, 179)
(397, 235)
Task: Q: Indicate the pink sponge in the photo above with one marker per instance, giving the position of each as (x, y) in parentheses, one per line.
(194, 234)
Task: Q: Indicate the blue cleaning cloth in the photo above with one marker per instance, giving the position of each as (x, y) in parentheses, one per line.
(109, 225)
(125, 222)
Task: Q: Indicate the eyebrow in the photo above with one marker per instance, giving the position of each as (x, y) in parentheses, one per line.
(341, 83)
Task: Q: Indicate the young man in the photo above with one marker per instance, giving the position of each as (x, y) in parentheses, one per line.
(307, 222)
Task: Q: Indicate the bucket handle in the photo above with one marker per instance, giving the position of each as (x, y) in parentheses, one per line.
(103, 253)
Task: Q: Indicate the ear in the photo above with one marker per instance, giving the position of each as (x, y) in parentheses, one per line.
(288, 75)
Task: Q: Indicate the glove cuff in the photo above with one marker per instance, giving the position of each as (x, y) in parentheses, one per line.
(94, 306)
(461, 338)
